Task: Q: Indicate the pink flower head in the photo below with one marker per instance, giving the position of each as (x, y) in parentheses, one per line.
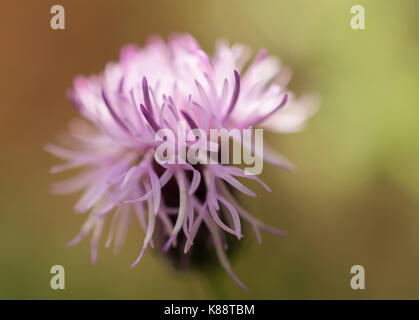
(154, 88)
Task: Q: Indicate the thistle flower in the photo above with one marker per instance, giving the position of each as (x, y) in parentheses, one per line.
(157, 87)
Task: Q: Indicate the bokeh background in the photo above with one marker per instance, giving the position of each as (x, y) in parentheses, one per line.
(354, 198)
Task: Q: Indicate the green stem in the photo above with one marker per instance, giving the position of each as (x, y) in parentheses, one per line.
(216, 284)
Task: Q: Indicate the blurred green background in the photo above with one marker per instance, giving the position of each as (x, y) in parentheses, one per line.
(354, 198)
